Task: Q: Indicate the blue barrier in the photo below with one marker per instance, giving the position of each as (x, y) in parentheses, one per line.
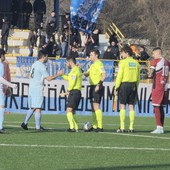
(53, 66)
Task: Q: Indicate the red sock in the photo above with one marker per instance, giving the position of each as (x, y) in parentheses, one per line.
(157, 111)
(162, 116)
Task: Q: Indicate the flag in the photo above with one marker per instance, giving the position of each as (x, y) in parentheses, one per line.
(84, 14)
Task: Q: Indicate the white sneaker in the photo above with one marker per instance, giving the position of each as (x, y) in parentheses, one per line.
(158, 131)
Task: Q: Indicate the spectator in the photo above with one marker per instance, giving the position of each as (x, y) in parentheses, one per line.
(5, 34)
(26, 10)
(159, 72)
(115, 50)
(51, 19)
(32, 42)
(64, 43)
(108, 54)
(66, 21)
(50, 30)
(135, 51)
(83, 37)
(74, 52)
(41, 44)
(89, 47)
(15, 13)
(143, 54)
(52, 47)
(112, 38)
(39, 8)
(75, 39)
(95, 38)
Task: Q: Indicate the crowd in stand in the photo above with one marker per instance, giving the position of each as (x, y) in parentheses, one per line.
(69, 41)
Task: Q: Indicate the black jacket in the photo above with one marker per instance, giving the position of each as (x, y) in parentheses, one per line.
(27, 8)
(15, 7)
(144, 55)
(52, 49)
(109, 55)
(39, 5)
(50, 29)
(5, 29)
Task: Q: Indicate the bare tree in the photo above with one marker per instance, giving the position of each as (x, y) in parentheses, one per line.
(156, 21)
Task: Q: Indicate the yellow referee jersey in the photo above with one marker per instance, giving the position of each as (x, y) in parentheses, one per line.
(95, 72)
(129, 71)
(74, 79)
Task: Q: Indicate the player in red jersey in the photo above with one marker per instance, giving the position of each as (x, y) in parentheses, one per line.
(159, 71)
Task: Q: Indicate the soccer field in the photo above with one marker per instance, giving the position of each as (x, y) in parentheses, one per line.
(56, 149)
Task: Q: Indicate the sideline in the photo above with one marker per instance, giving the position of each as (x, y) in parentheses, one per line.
(136, 135)
(83, 147)
(107, 133)
(81, 123)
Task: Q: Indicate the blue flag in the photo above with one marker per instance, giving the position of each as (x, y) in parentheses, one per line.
(84, 14)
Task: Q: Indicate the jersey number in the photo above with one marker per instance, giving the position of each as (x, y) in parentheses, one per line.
(165, 71)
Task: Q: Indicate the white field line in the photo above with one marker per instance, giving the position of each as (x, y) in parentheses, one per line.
(136, 135)
(62, 123)
(83, 147)
(107, 133)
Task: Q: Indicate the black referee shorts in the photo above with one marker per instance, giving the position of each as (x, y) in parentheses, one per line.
(95, 97)
(127, 93)
(73, 99)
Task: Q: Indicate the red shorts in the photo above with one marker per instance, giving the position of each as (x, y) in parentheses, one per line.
(159, 97)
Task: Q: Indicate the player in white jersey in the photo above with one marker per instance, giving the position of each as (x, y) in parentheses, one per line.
(2, 96)
(38, 74)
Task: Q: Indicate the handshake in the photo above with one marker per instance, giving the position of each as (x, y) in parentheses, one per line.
(14, 86)
(60, 73)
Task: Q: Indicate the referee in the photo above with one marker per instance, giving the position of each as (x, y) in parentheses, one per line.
(97, 75)
(127, 81)
(74, 79)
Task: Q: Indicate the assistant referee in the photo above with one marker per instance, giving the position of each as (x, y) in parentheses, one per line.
(127, 81)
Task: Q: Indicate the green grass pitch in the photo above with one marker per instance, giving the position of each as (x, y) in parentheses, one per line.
(56, 149)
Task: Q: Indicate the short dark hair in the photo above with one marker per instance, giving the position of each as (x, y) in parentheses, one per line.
(42, 53)
(2, 52)
(157, 48)
(73, 59)
(126, 48)
(142, 47)
(96, 52)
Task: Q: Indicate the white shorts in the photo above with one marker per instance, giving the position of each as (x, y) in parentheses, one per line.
(35, 101)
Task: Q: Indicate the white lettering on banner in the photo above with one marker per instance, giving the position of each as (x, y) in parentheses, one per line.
(54, 104)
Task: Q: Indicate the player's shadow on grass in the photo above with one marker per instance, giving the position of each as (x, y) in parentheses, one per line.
(144, 167)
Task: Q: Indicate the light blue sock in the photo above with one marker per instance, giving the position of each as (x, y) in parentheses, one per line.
(37, 120)
(2, 111)
(28, 116)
